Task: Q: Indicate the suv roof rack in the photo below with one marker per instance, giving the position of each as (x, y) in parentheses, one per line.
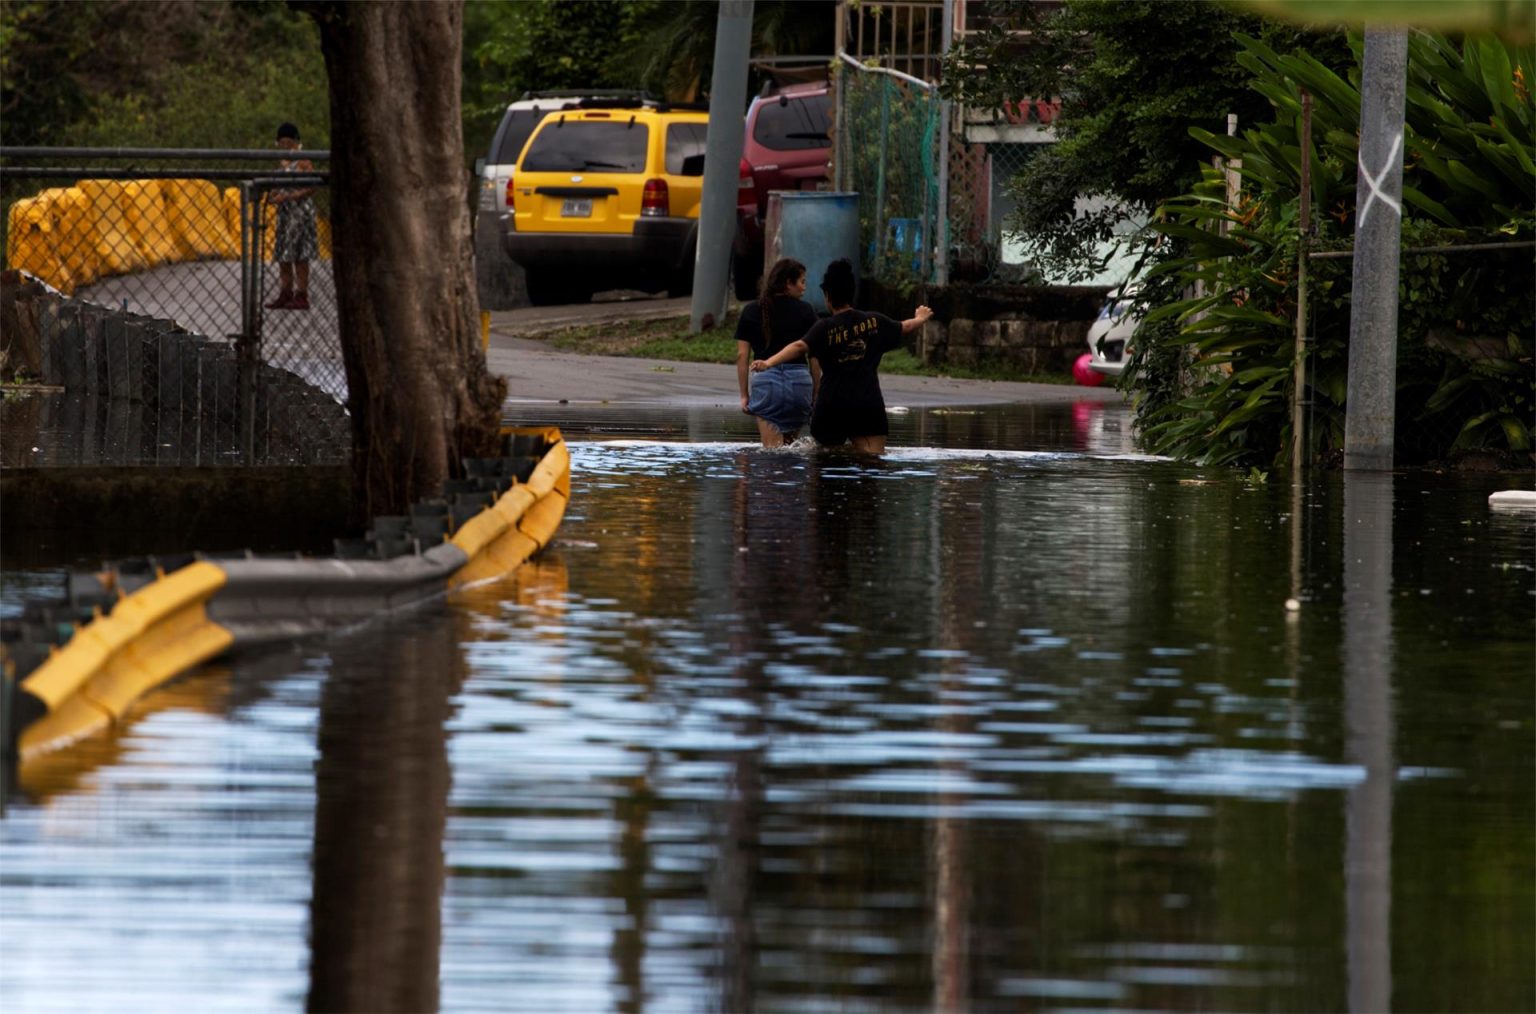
(648, 102)
(584, 93)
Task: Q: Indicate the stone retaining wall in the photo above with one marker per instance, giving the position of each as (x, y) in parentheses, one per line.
(1032, 329)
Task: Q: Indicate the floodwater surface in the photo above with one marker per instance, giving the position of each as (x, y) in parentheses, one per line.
(960, 729)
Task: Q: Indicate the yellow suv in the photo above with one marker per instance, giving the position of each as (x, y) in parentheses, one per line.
(607, 198)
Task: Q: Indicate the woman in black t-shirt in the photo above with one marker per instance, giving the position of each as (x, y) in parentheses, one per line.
(848, 345)
(780, 398)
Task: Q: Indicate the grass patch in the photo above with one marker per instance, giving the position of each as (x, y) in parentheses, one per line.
(668, 338)
(659, 338)
(905, 364)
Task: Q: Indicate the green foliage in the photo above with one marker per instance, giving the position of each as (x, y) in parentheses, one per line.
(161, 75)
(513, 46)
(36, 39)
(890, 131)
(1132, 77)
(1215, 357)
(497, 40)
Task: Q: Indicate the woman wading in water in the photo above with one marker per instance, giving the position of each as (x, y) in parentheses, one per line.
(781, 397)
(848, 346)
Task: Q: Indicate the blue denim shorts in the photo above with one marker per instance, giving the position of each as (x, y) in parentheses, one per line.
(781, 396)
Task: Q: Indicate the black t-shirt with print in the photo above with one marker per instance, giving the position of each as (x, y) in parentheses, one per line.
(788, 320)
(849, 346)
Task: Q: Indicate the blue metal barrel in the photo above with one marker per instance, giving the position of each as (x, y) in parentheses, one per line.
(815, 227)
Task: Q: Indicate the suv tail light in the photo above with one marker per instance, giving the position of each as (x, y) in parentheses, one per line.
(655, 200)
(744, 176)
(509, 195)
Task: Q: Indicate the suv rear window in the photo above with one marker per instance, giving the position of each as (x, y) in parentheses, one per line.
(588, 146)
(794, 125)
(520, 123)
(685, 149)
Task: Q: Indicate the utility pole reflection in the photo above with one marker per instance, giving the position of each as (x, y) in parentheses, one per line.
(961, 587)
(1369, 733)
(775, 581)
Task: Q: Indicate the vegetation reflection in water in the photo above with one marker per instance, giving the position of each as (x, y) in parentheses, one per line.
(780, 730)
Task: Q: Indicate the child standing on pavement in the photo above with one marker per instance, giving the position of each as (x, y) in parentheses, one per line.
(298, 240)
(780, 398)
(848, 345)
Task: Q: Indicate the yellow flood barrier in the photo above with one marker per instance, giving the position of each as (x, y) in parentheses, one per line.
(147, 223)
(115, 251)
(521, 521)
(194, 211)
(157, 632)
(32, 243)
(165, 628)
(77, 237)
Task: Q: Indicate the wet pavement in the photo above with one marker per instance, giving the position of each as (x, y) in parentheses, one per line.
(1014, 719)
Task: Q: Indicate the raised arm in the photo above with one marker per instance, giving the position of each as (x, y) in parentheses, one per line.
(793, 350)
(918, 319)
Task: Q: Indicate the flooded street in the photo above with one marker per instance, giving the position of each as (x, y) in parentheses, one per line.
(966, 728)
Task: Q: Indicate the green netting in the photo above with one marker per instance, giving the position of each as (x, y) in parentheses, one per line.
(891, 155)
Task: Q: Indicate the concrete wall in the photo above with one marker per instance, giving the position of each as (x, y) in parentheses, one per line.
(1033, 329)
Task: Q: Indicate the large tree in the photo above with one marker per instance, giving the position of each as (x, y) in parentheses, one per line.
(421, 398)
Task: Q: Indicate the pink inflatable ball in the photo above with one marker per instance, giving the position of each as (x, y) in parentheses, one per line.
(1083, 374)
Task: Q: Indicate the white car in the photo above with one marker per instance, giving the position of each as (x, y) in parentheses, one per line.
(1110, 335)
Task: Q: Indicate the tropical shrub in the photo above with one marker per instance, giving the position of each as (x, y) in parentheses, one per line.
(1216, 354)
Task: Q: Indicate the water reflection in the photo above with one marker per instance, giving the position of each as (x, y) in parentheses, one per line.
(381, 798)
(1368, 666)
(956, 730)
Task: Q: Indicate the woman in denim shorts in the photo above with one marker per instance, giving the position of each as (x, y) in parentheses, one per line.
(780, 398)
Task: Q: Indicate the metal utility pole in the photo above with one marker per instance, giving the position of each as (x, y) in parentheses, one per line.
(1299, 400)
(1370, 411)
(939, 241)
(722, 158)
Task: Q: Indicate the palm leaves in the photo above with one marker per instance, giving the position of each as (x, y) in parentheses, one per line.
(1465, 375)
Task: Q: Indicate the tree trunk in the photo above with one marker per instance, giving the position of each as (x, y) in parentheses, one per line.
(421, 398)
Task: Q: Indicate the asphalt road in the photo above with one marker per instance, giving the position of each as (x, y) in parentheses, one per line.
(204, 296)
(539, 374)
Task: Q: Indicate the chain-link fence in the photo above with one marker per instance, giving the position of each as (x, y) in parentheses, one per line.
(136, 253)
(888, 151)
(982, 199)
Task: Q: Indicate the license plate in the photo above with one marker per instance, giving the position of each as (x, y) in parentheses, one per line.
(576, 207)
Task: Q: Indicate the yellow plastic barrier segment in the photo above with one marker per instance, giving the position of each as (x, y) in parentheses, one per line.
(147, 224)
(232, 224)
(77, 238)
(553, 472)
(31, 245)
(540, 521)
(116, 253)
(491, 538)
(156, 633)
(195, 211)
(521, 521)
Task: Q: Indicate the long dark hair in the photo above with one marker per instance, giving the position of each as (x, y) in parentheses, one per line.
(784, 271)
